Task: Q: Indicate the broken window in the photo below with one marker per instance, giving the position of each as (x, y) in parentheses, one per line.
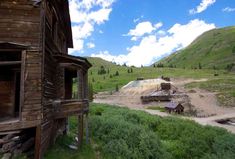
(10, 79)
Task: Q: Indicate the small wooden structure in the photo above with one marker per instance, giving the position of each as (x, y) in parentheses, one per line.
(166, 78)
(163, 96)
(175, 107)
(140, 78)
(165, 86)
(37, 74)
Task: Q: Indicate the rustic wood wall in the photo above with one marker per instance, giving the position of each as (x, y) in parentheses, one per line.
(19, 22)
(31, 108)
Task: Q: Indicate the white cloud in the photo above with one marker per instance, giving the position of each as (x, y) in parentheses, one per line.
(85, 14)
(153, 47)
(228, 9)
(90, 45)
(143, 28)
(202, 6)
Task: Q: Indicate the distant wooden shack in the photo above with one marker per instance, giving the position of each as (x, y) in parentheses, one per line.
(166, 78)
(37, 75)
(140, 78)
(163, 96)
(175, 107)
(165, 86)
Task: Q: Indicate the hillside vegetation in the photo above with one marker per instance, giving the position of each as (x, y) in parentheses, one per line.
(214, 49)
(121, 133)
(105, 76)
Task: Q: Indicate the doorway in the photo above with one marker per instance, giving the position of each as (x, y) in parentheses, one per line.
(10, 85)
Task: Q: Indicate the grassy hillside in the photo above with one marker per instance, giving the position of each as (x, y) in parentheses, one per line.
(213, 49)
(109, 80)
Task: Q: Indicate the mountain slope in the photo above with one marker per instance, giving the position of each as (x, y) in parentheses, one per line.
(213, 49)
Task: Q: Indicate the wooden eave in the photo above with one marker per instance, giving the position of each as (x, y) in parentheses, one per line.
(69, 60)
(12, 46)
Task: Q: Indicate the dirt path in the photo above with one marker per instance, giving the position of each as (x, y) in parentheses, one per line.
(204, 102)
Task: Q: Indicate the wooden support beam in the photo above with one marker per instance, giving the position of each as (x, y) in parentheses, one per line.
(4, 63)
(80, 130)
(87, 129)
(80, 84)
(37, 153)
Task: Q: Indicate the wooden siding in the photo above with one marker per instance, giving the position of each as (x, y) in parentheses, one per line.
(31, 107)
(19, 22)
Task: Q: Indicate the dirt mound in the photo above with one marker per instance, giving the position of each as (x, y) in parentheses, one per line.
(142, 87)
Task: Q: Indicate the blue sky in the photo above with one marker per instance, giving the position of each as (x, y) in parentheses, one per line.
(140, 32)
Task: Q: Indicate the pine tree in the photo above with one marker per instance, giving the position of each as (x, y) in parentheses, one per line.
(199, 66)
(117, 73)
(117, 89)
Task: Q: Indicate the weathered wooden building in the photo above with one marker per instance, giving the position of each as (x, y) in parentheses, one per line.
(37, 74)
(174, 107)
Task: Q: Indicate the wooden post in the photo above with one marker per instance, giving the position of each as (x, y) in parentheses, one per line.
(80, 130)
(37, 154)
(80, 84)
(85, 82)
(87, 129)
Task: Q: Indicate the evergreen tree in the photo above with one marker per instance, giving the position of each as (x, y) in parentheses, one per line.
(131, 70)
(117, 73)
(117, 89)
(199, 66)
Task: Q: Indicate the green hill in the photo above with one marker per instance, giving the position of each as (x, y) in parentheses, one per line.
(213, 49)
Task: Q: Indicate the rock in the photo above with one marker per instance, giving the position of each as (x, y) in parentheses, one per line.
(73, 147)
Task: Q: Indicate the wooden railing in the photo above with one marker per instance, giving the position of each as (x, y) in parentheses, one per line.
(65, 108)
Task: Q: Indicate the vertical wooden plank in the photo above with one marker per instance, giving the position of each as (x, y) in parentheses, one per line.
(80, 84)
(22, 81)
(80, 130)
(37, 154)
(87, 129)
(85, 84)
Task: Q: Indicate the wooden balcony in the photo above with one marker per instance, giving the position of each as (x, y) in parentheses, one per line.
(65, 108)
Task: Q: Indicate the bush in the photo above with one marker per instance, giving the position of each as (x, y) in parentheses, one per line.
(124, 133)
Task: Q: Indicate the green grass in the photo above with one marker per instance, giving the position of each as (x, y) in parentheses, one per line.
(224, 87)
(61, 151)
(124, 133)
(161, 109)
(214, 48)
(120, 133)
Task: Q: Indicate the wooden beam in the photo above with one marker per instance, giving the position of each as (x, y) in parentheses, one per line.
(37, 154)
(22, 82)
(80, 130)
(4, 63)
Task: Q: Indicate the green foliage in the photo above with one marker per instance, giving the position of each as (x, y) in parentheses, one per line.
(124, 133)
(199, 66)
(102, 70)
(233, 50)
(117, 88)
(90, 91)
(120, 138)
(212, 48)
(61, 150)
(146, 72)
(230, 66)
(161, 109)
(117, 73)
